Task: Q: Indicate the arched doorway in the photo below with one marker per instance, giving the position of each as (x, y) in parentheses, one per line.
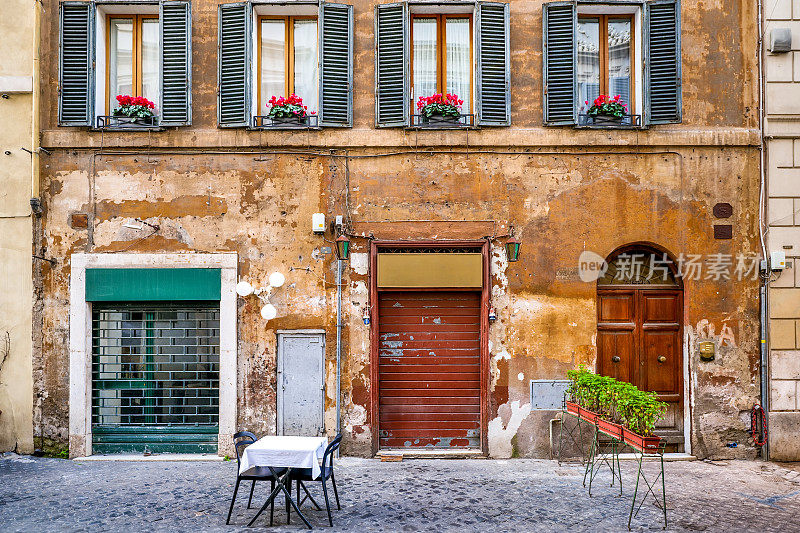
(639, 329)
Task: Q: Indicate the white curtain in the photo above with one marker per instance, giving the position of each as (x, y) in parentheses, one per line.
(588, 62)
(458, 60)
(150, 83)
(425, 83)
(273, 62)
(120, 61)
(306, 62)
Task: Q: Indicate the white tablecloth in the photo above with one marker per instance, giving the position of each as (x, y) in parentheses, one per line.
(286, 452)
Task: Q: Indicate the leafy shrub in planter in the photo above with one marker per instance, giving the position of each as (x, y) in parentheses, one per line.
(616, 401)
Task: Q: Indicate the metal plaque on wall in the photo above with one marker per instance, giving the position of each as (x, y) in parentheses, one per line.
(547, 394)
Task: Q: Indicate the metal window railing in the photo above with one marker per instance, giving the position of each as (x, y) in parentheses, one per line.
(155, 366)
(605, 122)
(111, 122)
(439, 122)
(286, 123)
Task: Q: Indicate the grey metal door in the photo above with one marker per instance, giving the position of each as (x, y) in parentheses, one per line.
(301, 356)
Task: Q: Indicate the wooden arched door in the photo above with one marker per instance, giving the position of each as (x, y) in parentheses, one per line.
(639, 330)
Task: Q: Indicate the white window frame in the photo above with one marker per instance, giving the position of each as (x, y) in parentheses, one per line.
(279, 10)
(638, 45)
(101, 29)
(80, 338)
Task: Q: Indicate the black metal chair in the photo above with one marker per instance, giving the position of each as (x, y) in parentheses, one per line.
(242, 440)
(302, 475)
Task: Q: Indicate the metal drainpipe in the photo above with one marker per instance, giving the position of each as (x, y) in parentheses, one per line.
(764, 365)
(338, 345)
(763, 282)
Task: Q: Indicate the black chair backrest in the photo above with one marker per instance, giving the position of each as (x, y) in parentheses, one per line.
(327, 458)
(242, 440)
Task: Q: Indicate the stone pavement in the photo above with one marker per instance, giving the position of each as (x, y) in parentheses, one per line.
(413, 495)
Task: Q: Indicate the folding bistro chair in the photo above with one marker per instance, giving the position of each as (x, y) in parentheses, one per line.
(304, 474)
(242, 440)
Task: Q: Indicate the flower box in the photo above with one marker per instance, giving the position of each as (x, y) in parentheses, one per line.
(649, 444)
(580, 412)
(111, 122)
(609, 428)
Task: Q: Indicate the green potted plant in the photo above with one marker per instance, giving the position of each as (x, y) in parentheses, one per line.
(440, 109)
(605, 109)
(288, 111)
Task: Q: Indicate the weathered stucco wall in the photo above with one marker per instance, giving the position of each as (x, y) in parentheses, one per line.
(563, 190)
(16, 381)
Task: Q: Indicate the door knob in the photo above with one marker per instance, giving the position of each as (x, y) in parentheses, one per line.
(615, 359)
(662, 359)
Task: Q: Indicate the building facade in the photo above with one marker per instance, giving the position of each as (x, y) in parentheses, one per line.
(638, 234)
(18, 214)
(781, 131)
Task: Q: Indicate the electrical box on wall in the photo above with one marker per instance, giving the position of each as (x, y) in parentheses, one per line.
(318, 222)
(777, 260)
(780, 40)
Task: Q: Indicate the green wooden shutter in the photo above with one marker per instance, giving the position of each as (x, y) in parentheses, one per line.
(235, 71)
(391, 65)
(76, 64)
(560, 84)
(336, 64)
(662, 48)
(175, 24)
(493, 64)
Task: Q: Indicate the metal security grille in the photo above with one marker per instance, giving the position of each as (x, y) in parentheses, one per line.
(155, 377)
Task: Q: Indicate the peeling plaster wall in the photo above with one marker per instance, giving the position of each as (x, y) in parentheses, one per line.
(565, 191)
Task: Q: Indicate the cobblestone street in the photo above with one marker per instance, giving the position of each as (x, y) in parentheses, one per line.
(413, 495)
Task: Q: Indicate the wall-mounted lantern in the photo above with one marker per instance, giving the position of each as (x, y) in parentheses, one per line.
(342, 248)
(245, 289)
(512, 247)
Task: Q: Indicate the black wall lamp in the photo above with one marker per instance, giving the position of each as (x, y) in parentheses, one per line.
(512, 247)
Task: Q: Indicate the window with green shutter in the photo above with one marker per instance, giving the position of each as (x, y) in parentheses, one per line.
(626, 53)
(305, 50)
(436, 49)
(144, 49)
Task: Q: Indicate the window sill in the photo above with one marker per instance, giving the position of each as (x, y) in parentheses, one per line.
(112, 123)
(263, 122)
(628, 122)
(462, 122)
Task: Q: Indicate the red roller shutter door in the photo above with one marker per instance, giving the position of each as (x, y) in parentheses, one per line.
(429, 369)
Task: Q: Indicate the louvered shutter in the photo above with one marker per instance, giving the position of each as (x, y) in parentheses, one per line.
(175, 24)
(76, 64)
(663, 62)
(391, 65)
(493, 64)
(560, 53)
(235, 72)
(336, 65)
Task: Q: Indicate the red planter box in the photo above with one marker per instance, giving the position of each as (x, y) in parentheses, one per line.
(645, 444)
(585, 414)
(609, 428)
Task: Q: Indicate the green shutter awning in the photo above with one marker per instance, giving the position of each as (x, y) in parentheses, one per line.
(152, 284)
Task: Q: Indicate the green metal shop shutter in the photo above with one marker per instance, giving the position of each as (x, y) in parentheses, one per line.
(559, 53)
(155, 377)
(235, 31)
(175, 23)
(662, 48)
(391, 65)
(76, 64)
(336, 65)
(493, 69)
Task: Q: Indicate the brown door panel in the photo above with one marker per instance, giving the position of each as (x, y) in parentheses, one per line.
(660, 307)
(617, 307)
(660, 357)
(616, 354)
